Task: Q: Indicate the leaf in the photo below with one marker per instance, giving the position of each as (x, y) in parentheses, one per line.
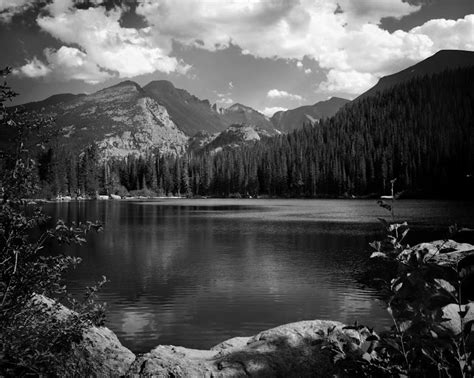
(377, 245)
(366, 356)
(378, 255)
(445, 285)
(396, 226)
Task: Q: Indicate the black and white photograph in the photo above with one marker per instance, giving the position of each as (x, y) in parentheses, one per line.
(237, 188)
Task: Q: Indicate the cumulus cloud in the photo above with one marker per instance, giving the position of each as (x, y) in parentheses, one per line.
(105, 46)
(275, 93)
(34, 68)
(67, 63)
(307, 71)
(347, 82)
(344, 37)
(9, 8)
(269, 111)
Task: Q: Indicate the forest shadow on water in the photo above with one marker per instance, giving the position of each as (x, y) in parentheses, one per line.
(196, 272)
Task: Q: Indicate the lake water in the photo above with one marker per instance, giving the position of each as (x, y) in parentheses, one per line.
(196, 272)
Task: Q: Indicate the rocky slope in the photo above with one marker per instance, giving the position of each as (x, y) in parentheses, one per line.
(121, 119)
(193, 115)
(289, 120)
(441, 61)
(241, 114)
(232, 137)
(188, 112)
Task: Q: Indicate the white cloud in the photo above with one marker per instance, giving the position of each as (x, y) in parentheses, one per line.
(9, 8)
(104, 43)
(231, 85)
(307, 71)
(225, 101)
(348, 44)
(347, 82)
(34, 68)
(448, 34)
(269, 111)
(275, 93)
(67, 63)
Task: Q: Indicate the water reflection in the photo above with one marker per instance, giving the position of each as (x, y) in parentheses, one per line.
(194, 273)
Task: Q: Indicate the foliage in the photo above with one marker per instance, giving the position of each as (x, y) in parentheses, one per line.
(431, 333)
(30, 340)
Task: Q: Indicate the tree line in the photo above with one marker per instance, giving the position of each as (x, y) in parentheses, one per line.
(420, 132)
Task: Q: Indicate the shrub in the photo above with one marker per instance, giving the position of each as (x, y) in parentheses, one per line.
(31, 341)
(422, 296)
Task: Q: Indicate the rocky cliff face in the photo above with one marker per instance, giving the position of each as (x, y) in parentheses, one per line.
(121, 119)
(188, 112)
(232, 137)
(241, 114)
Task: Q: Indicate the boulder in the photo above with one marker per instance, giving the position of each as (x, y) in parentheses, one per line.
(99, 353)
(296, 349)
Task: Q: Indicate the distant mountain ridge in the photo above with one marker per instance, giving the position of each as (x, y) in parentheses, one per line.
(232, 137)
(242, 114)
(188, 112)
(441, 61)
(122, 119)
(289, 120)
(127, 118)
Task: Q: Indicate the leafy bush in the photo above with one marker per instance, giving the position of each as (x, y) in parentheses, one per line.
(431, 333)
(30, 340)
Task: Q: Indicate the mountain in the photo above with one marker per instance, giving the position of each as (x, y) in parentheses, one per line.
(244, 115)
(441, 61)
(122, 119)
(188, 112)
(419, 132)
(193, 115)
(232, 137)
(51, 101)
(293, 119)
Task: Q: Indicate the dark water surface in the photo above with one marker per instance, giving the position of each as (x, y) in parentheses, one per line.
(197, 272)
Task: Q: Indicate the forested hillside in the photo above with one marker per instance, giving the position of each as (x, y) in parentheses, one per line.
(420, 132)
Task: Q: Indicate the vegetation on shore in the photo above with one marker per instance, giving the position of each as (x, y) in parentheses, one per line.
(30, 342)
(429, 296)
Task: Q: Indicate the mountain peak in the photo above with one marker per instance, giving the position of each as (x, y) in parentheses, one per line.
(161, 85)
(441, 61)
(126, 83)
(237, 107)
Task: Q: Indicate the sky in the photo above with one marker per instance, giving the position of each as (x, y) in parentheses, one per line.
(267, 54)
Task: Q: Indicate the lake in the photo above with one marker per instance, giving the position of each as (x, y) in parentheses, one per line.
(197, 272)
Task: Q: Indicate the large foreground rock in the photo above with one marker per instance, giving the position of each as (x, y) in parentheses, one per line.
(296, 349)
(100, 352)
